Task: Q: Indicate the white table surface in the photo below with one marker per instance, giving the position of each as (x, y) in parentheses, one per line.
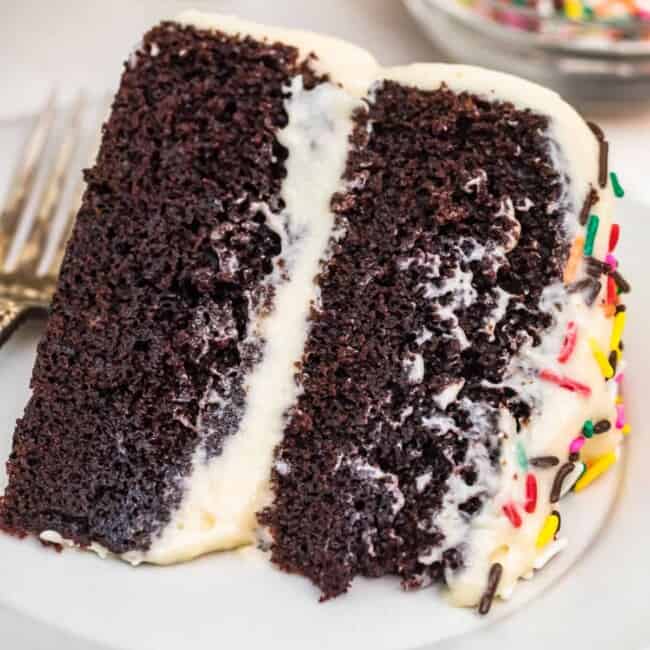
(80, 44)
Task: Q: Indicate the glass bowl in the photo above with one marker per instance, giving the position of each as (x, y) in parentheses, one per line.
(589, 62)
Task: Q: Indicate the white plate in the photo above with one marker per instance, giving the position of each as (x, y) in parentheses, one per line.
(74, 600)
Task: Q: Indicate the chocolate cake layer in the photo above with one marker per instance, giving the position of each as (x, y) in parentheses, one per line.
(454, 203)
(148, 341)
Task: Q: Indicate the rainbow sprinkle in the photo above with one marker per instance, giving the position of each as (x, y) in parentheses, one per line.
(617, 332)
(565, 382)
(569, 343)
(619, 192)
(531, 494)
(577, 444)
(522, 457)
(573, 262)
(598, 468)
(592, 231)
(614, 235)
(511, 512)
(601, 359)
(549, 529)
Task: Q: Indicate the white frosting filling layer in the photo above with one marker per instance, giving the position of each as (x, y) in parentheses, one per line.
(224, 493)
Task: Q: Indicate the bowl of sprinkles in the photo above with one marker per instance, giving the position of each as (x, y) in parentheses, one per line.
(588, 50)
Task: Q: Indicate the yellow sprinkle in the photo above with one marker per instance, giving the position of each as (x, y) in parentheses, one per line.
(600, 466)
(602, 361)
(626, 429)
(619, 399)
(573, 9)
(548, 530)
(617, 332)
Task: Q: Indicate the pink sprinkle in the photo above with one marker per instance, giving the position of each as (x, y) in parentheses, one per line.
(619, 378)
(565, 382)
(577, 444)
(620, 416)
(611, 261)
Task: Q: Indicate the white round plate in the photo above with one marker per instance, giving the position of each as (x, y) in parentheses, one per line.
(595, 595)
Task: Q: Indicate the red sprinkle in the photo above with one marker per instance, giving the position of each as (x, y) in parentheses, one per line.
(565, 382)
(611, 290)
(569, 342)
(531, 494)
(614, 234)
(510, 511)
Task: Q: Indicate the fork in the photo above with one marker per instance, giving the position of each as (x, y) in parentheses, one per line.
(39, 212)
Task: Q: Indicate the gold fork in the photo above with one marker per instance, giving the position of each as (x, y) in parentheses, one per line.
(43, 199)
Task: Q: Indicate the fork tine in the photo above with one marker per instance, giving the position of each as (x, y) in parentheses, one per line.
(71, 206)
(24, 177)
(42, 221)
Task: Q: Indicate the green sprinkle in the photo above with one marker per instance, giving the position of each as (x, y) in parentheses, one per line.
(587, 13)
(619, 192)
(592, 230)
(522, 456)
(588, 429)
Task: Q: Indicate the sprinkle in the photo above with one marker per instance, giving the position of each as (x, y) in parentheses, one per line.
(597, 131)
(562, 473)
(614, 235)
(572, 478)
(511, 512)
(577, 444)
(596, 267)
(609, 310)
(590, 200)
(588, 429)
(622, 284)
(571, 267)
(603, 153)
(544, 462)
(573, 9)
(549, 529)
(612, 294)
(619, 192)
(620, 416)
(580, 285)
(602, 426)
(531, 494)
(617, 331)
(620, 308)
(611, 262)
(575, 457)
(605, 368)
(568, 343)
(522, 457)
(494, 577)
(592, 231)
(626, 429)
(600, 466)
(565, 382)
(613, 361)
(593, 293)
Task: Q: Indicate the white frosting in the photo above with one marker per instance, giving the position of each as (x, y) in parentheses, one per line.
(223, 494)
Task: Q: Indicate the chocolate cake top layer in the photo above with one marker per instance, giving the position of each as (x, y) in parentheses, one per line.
(453, 228)
(148, 337)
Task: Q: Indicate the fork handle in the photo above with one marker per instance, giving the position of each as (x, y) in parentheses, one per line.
(12, 315)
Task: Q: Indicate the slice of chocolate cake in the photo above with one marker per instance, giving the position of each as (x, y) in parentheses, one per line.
(358, 315)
